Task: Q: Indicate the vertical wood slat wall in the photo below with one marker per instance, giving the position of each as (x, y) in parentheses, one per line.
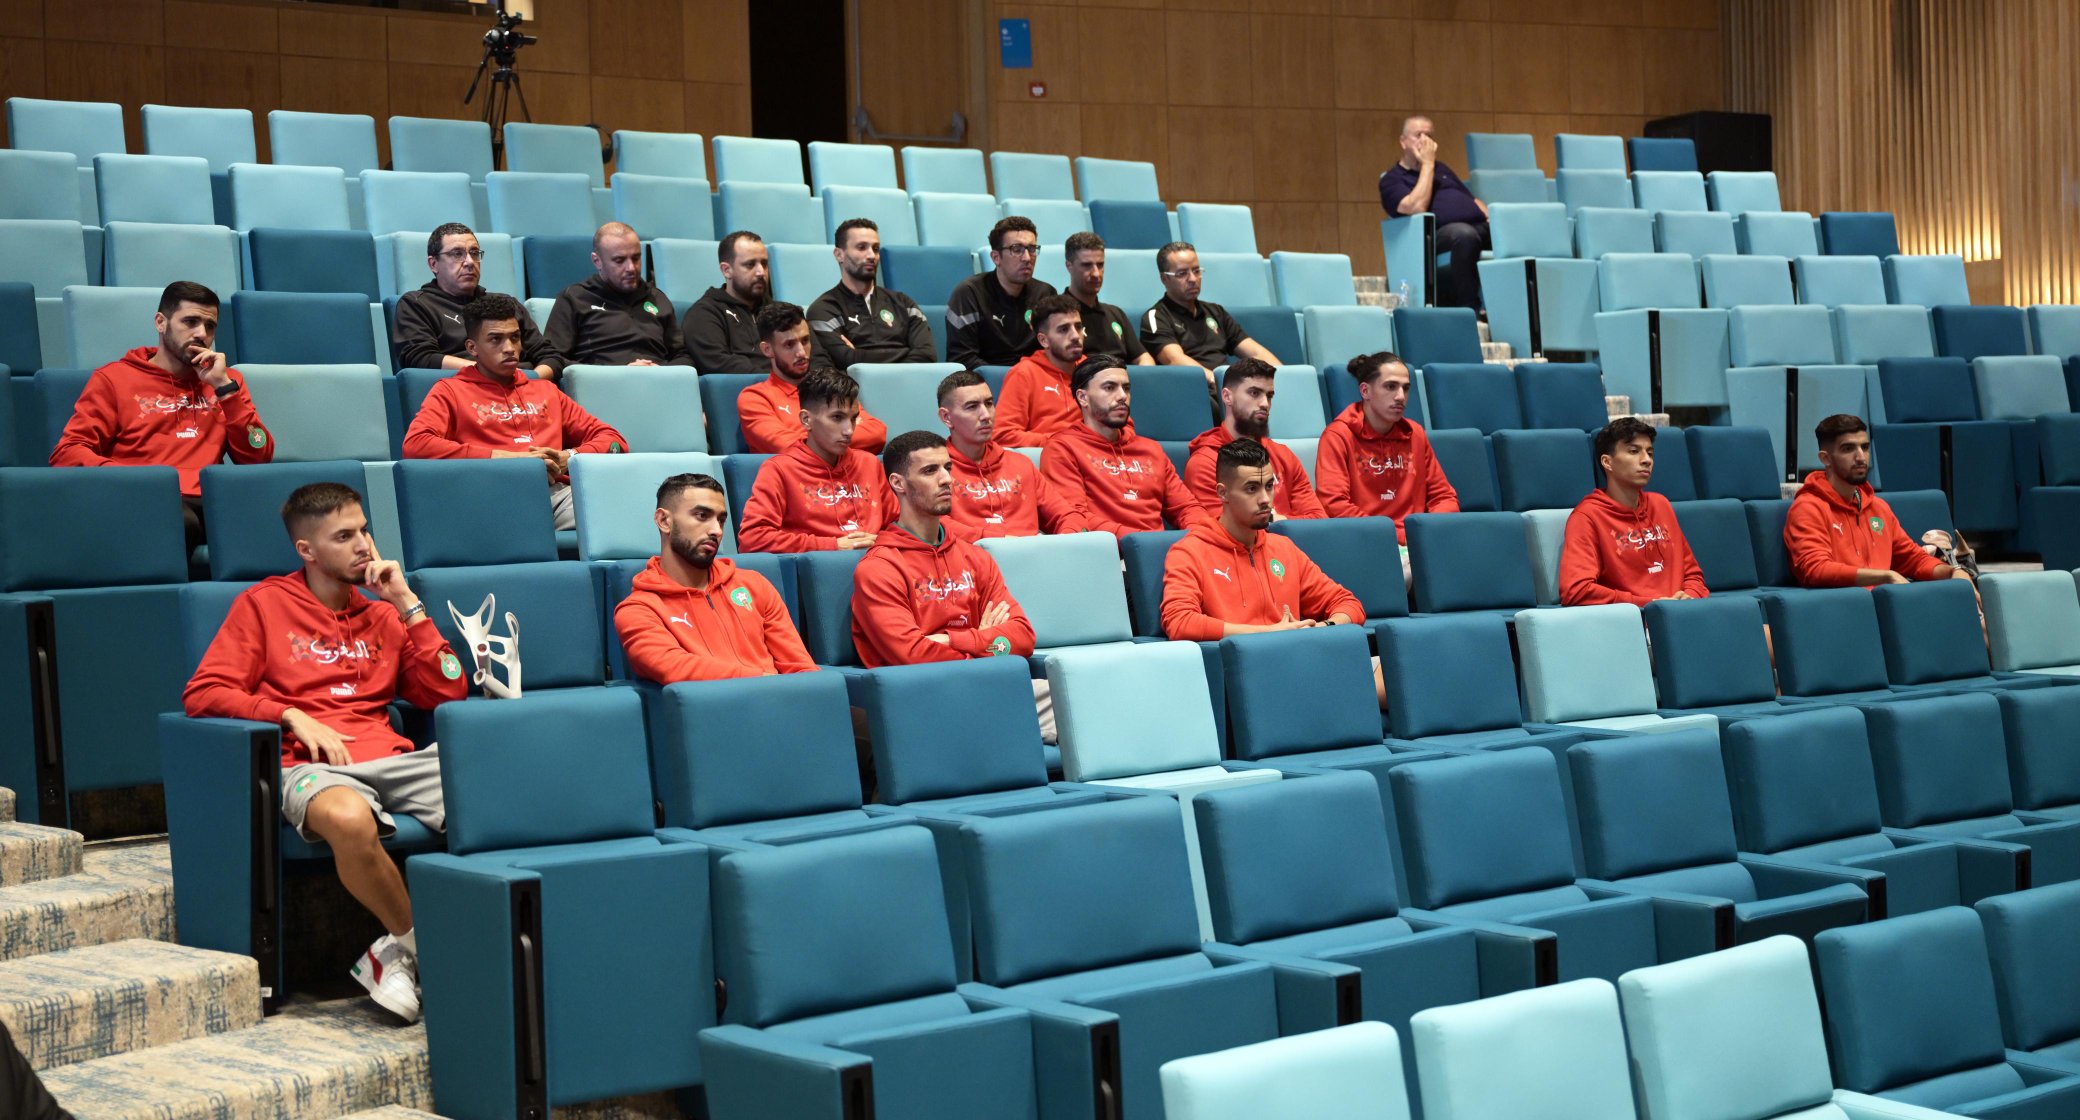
(1959, 118)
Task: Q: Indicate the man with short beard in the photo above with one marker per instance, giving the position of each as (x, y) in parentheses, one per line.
(426, 329)
(1246, 392)
(694, 616)
(721, 326)
(1037, 401)
(996, 493)
(1099, 475)
(1107, 330)
(861, 321)
(989, 316)
(1840, 533)
(768, 410)
(614, 317)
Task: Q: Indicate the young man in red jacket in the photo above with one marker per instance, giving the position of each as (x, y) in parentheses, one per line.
(1099, 475)
(1623, 544)
(1038, 401)
(822, 493)
(696, 616)
(1246, 392)
(1373, 461)
(178, 404)
(312, 652)
(767, 410)
(1840, 533)
(1229, 576)
(493, 410)
(996, 492)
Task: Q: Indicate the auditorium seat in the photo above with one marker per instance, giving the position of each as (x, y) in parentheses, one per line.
(1351, 1072)
(1335, 335)
(1563, 395)
(21, 352)
(851, 165)
(1409, 245)
(1711, 657)
(2032, 622)
(1451, 685)
(1348, 550)
(745, 159)
(926, 273)
(1238, 281)
(1719, 536)
(1116, 179)
(1826, 646)
(1596, 187)
(1925, 627)
(1500, 150)
(343, 140)
(1469, 562)
(1967, 332)
(782, 213)
(1864, 335)
(221, 136)
(1657, 342)
(801, 272)
(1732, 462)
(42, 186)
(1599, 231)
(104, 323)
(944, 170)
(2018, 387)
(1791, 234)
(426, 144)
(322, 412)
(1660, 153)
(1054, 219)
(288, 197)
(1859, 234)
(1436, 334)
(1778, 351)
(1522, 1054)
(1217, 228)
(2028, 940)
(1069, 586)
(1745, 281)
(903, 395)
(683, 269)
(674, 155)
(887, 207)
(1508, 185)
(1931, 402)
(47, 254)
(1587, 668)
(169, 189)
(456, 512)
(539, 203)
(1481, 396)
(1302, 701)
(960, 221)
(153, 255)
(824, 582)
(616, 498)
(1534, 259)
(1695, 233)
(555, 149)
(401, 264)
(1313, 279)
(1832, 282)
(1740, 192)
(84, 129)
(395, 201)
(1545, 534)
(1927, 281)
(1674, 476)
(1669, 190)
(1031, 175)
(2038, 723)
(554, 262)
(1130, 223)
(303, 328)
(1548, 468)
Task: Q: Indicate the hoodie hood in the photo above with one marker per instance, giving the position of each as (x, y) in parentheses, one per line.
(1353, 417)
(1601, 501)
(1216, 535)
(1212, 439)
(654, 580)
(140, 361)
(1817, 485)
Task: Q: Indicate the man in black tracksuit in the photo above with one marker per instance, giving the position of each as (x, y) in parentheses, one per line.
(989, 316)
(722, 325)
(615, 317)
(426, 328)
(860, 321)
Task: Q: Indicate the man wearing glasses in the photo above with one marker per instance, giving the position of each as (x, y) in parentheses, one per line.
(989, 316)
(1184, 330)
(426, 331)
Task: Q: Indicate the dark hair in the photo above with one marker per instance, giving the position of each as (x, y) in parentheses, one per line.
(1242, 369)
(1624, 429)
(776, 317)
(488, 307)
(1365, 367)
(823, 387)
(850, 224)
(896, 456)
(185, 291)
(726, 249)
(1082, 241)
(1050, 306)
(314, 500)
(1090, 367)
(1163, 254)
(1012, 224)
(1835, 427)
(443, 232)
(1238, 453)
(670, 489)
(959, 379)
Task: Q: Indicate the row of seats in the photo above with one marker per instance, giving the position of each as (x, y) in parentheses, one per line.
(1727, 192)
(1514, 151)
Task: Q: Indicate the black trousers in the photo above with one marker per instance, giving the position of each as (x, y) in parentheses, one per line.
(191, 522)
(1464, 241)
(21, 1092)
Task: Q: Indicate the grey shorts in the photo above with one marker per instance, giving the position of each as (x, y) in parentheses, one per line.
(402, 783)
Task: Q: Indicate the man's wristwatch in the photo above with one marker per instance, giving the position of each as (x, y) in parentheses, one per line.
(416, 610)
(226, 389)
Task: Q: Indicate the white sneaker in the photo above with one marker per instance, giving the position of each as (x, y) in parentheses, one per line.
(391, 976)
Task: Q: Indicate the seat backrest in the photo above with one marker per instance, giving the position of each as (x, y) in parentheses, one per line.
(1717, 530)
(1695, 232)
(429, 144)
(1564, 395)
(1217, 227)
(1780, 336)
(1335, 335)
(1669, 190)
(1231, 279)
(242, 506)
(396, 201)
(39, 185)
(1737, 192)
(1859, 234)
(555, 148)
(1436, 334)
(1481, 825)
(1523, 1054)
(657, 407)
(1599, 231)
(2032, 619)
(888, 208)
(1710, 651)
(755, 749)
(1301, 388)
(508, 777)
(540, 203)
(1800, 778)
(1068, 585)
(221, 136)
(1169, 402)
(745, 159)
(1031, 175)
(1530, 230)
(287, 197)
(1651, 802)
(1107, 727)
(46, 545)
(850, 165)
(616, 495)
(925, 273)
(1733, 462)
(343, 140)
(1939, 759)
(1469, 561)
(1834, 281)
(801, 273)
(153, 255)
(1584, 663)
(677, 155)
(1826, 641)
(1448, 674)
(555, 262)
(1545, 533)
(683, 270)
(1464, 456)
(1276, 328)
(825, 583)
(298, 328)
(1582, 152)
(1931, 631)
(171, 189)
(1661, 153)
(407, 269)
(664, 206)
(1602, 187)
(1055, 219)
(2035, 972)
(556, 603)
(1498, 150)
(1885, 1034)
(1927, 390)
(1299, 691)
(1674, 478)
(1627, 281)
(101, 324)
(1791, 233)
(1929, 281)
(473, 511)
(959, 221)
(1284, 858)
(1543, 468)
(48, 254)
(1142, 556)
(1348, 550)
(780, 213)
(83, 128)
(1472, 395)
(919, 755)
(1864, 335)
(1979, 332)
(2055, 329)
(1507, 186)
(21, 348)
(945, 170)
(323, 412)
(2020, 388)
(1734, 281)
(1313, 279)
(1350, 1072)
(1124, 180)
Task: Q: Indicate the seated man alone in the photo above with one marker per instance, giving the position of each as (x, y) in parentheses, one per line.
(1623, 543)
(426, 330)
(1420, 183)
(996, 493)
(1037, 401)
(1229, 576)
(310, 652)
(1246, 392)
(696, 616)
(1373, 461)
(1184, 330)
(861, 321)
(178, 404)
(1107, 330)
(614, 317)
(928, 592)
(821, 493)
(1839, 532)
(493, 410)
(721, 331)
(989, 319)
(766, 410)
(1099, 475)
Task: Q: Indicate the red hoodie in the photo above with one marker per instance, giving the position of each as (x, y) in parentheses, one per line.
(1363, 473)
(132, 414)
(1830, 538)
(1616, 555)
(472, 414)
(802, 504)
(1292, 497)
(1036, 403)
(737, 626)
(1210, 578)
(997, 497)
(280, 648)
(1088, 482)
(905, 589)
(767, 412)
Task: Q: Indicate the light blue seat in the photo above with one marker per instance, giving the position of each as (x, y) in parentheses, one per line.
(1600, 231)
(1791, 234)
(540, 203)
(1500, 150)
(2033, 972)
(1669, 190)
(555, 149)
(1835, 281)
(1534, 259)
(887, 207)
(1929, 281)
(659, 206)
(2054, 329)
(670, 155)
(1335, 335)
(151, 255)
(343, 140)
(657, 407)
(1738, 281)
(433, 145)
(1054, 219)
(616, 495)
(84, 129)
(221, 136)
(1031, 175)
(1409, 245)
(321, 413)
(780, 213)
(1587, 667)
(850, 165)
(1300, 387)
(1866, 334)
(1519, 1054)
(1768, 347)
(49, 254)
(905, 396)
(684, 269)
(1696, 232)
(395, 201)
(167, 189)
(2032, 622)
(288, 197)
(1580, 187)
(800, 273)
(1517, 186)
(745, 159)
(1351, 1072)
(960, 221)
(40, 186)
(944, 170)
(1068, 585)
(1124, 180)
(1313, 279)
(1217, 228)
(2020, 387)
(1741, 192)
(104, 323)
(1589, 153)
(1237, 280)
(401, 264)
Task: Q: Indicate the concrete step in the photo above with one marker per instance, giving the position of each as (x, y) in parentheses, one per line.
(123, 890)
(31, 853)
(78, 1005)
(311, 1062)
(6, 804)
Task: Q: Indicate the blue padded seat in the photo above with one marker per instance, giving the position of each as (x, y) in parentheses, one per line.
(1514, 1055)
(1719, 537)
(1979, 332)
(1451, 684)
(1587, 667)
(1469, 562)
(1712, 656)
(1859, 234)
(1661, 153)
(1348, 550)
(2034, 978)
(1547, 468)
(1534, 259)
(1826, 644)
(1657, 342)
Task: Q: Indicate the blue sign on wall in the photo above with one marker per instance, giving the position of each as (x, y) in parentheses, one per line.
(1015, 43)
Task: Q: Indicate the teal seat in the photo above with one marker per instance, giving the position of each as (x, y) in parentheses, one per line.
(1124, 180)
(1541, 1054)
(944, 170)
(673, 155)
(555, 148)
(152, 255)
(1031, 175)
(1587, 667)
(1069, 585)
(38, 185)
(657, 407)
(169, 189)
(1217, 228)
(801, 273)
(1741, 192)
(1695, 232)
(1574, 151)
(781, 213)
(540, 204)
(1669, 190)
(1312, 280)
(102, 324)
(394, 201)
(430, 144)
(2032, 622)
(888, 208)
(1534, 260)
(745, 159)
(1929, 281)
(850, 165)
(49, 254)
(683, 269)
(343, 140)
(1594, 187)
(959, 221)
(1768, 348)
(1834, 281)
(1600, 230)
(279, 196)
(319, 413)
(904, 396)
(1791, 233)
(658, 206)
(616, 497)
(1657, 342)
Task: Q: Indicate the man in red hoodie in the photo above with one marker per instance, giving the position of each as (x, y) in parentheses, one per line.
(178, 404)
(1099, 475)
(996, 493)
(766, 410)
(1246, 392)
(312, 652)
(1037, 399)
(1623, 544)
(493, 410)
(1373, 461)
(695, 616)
(821, 493)
(1839, 532)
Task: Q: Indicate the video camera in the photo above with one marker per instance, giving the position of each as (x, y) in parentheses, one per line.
(505, 39)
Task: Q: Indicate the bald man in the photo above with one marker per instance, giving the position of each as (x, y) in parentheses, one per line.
(615, 317)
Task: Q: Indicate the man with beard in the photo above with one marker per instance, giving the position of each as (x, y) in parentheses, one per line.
(1099, 475)
(989, 316)
(178, 404)
(312, 652)
(1106, 329)
(614, 317)
(721, 326)
(694, 616)
(821, 493)
(1037, 400)
(860, 321)
(1623, 543)
(996, 493)
(1246, 392)
(767, 410)
(426, 330)
(1184, 330)
(1839, 532)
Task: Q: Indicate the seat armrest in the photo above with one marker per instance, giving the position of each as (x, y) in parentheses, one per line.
(1313, 994)
(1512, 957)
(2037, 1069)
(1075, 1053)
(1685, 925)
(479, 935)
(1860, 1106)
(1984, 867)
(223, 781)
(751, 1072)
(1777, 877)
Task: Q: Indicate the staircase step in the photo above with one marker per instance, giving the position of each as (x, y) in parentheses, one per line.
(123, 890)
(650, 1106)
(1494, 351)
(81, 1004)
(31, 853)
(311, 1062)
(6, 804)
